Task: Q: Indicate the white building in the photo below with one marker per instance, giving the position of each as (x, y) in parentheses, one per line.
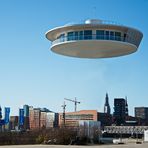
(51, 119)
(89, 128)
(94, 39)
(146, 136)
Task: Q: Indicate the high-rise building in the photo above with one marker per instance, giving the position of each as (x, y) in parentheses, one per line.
(52, 120)
(26, 110)
(34, 118)
(120, 110)
(26, 116)
(141, 112)
(38, 117)
(43, 116)
(106, 105)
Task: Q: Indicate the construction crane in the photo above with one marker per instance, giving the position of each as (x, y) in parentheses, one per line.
(64, 108)
(75, 102)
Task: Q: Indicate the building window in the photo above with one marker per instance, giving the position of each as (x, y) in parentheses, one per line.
(80, 35)
(87, 34)
(76, 35)
(112, 37)
(99, 34)
(118, 36)
(70, 36)
(107, 35)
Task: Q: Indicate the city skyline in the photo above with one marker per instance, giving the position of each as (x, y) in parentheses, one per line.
(32, 74)
(106, 104)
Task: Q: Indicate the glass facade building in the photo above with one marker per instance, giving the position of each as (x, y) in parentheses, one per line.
(141, 112)
(26, 110)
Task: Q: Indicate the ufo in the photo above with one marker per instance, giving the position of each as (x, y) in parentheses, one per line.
(94, 39)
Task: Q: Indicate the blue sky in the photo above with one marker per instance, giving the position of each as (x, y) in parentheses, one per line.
(31, 74)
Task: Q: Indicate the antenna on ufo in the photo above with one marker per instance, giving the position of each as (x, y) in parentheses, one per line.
(94, 11)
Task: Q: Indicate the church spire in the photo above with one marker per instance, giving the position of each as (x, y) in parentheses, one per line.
(106, 105)
(126, 106)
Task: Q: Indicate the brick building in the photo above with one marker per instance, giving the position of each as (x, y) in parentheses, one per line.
(72, 118)
(34, 118)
